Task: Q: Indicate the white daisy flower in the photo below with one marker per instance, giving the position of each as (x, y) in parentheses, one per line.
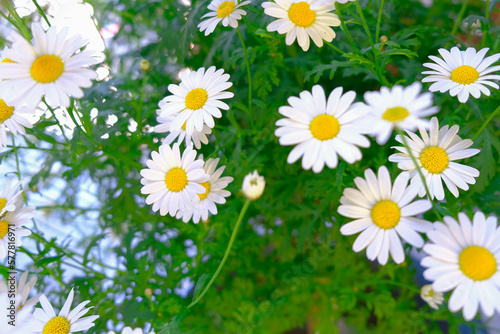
(253, 186)
(47, 68)
(301, 20)
(10, 197)
(12, 119)
(322, 129)
(196, 137)
(23, 290)
(226, 11)
(435, 154)
(464, 256)
(384, 214)
(196, 100)
(22, 318)
(431, 297)
(462, 73)
(399, 107)
(129, 330)
(12, 226)
(173, 182)
(66, 321)
(214, 193)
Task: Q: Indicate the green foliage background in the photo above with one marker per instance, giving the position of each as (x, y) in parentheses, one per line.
(302, 273)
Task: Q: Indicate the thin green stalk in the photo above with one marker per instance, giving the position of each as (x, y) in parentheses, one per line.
(14, 148)
(334, 47)
(250, 115)
(378, 69)
(459, 18)
(23, 29)
(422, 177)
(486, 123)
(40, 10)
(231, 241)
(486, 31)
(345, 30)
(379, 20)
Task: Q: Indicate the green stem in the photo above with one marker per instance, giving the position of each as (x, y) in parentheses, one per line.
(459, 18)
(422, 177)
(231, 241)
(486, 123)
(40, 10)
(23, 29)
(334, 47)
(378, 69)
(379, 20)
(14, 148)
(486, 31)
(249, 77)
(345, 30)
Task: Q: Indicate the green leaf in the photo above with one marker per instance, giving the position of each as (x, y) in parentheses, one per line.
(199, 285)
(404, 52)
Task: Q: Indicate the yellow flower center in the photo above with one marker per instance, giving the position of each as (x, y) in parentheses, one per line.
(477, 263)
(5, 111)
(57, 325)
(225, 8)
(434, 159)
(206, 185)
(324, 127)
(3, 203)
(176, 179)
(4, 228)
(196, 98)
(47, 68)
(7, 60)
(301, 14)
(386, 214)
(464, 75)
(395, 114)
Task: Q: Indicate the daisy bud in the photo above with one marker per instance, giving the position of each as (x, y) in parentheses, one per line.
(431, 297)
(383, 39)
(145, 65)
(253, 186)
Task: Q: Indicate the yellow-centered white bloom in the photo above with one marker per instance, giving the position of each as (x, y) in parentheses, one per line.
(49, 68)
(462, 73)
(196, 137)
(253, 186)
(399, 107)
(173, 182)
(10, 198)
(384, 213)
(214, 193)
(227, 11)
(431, 297)
(436, 153)
(12, 226)
(66, 321)
(301, 20)
(464, 256)
(23, 318)
(321, 129)
(196, 100)
(12, 119)
(23, 290)
(129, 330)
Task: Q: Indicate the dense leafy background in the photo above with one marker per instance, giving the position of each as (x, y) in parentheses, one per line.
(290, 267)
